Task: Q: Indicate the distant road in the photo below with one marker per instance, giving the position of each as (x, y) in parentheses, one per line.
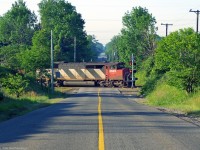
(75, 123)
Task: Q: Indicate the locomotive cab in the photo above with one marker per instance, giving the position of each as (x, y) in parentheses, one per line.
(117, 75)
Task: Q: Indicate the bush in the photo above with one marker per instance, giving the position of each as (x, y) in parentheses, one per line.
(166, 95)
(14, 84)
(178, 55)
(144, 71)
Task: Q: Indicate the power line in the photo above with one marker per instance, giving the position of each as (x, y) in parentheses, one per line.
(177, 20)
(103, 30)
(103, 20)
(197, 12)
(120, 20)
(166, 27)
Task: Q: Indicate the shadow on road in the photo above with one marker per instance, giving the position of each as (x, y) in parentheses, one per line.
(36, 122)
(81, 117)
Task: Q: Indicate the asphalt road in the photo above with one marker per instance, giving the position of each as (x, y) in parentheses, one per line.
(73, 124)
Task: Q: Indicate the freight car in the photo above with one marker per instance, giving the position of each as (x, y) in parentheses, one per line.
(102, 74)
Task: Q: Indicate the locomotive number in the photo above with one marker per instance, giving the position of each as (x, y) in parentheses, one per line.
(112, 71)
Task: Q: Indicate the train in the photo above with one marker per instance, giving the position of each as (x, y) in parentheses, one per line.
(104, 74)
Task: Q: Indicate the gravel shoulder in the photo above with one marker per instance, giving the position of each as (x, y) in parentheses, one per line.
(133, 94)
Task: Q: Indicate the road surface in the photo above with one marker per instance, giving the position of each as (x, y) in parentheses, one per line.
(98, 118)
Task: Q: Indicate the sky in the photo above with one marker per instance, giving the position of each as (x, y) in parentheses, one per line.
(103, 18)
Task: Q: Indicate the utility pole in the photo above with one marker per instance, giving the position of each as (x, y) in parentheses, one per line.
(52, 67)
(197, 12)
(167, 24)
(74, 49)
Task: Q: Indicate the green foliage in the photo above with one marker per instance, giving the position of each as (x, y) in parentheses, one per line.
(142, 78)
(113, 49)
(66, 23)
(192, 105)
(12, 107)
(172, 75)
(11, 56)
(145, 73)
(137, 36)
(165, 95)
(148, 76)
(176, 63)
(178, 56)
(147, 65)
(151, 83)
(94, 47)
(17, 27)
(4, 71)
(25, 45)
(38, 57)
(14, 84)
(173, 98)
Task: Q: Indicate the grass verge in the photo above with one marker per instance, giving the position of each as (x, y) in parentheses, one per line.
(175, 99)
(11, 107)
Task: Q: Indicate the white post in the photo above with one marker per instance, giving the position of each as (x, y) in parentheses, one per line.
(132, 60)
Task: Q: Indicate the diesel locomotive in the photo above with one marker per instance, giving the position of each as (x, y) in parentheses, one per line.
(106, 74)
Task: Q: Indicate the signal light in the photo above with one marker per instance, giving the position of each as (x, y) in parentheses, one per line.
(134, 71)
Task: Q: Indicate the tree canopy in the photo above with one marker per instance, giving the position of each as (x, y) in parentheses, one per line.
(25, 43)
(138, 36)
(178, 56)
(67, 24)
(17, 27)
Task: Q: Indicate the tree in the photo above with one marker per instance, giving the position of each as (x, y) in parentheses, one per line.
(178, 56)
(114, 49)
(17, 27)
(38, 57)
(138, 36)
(14, 84)
(139, 32)
(95, 48)
(66, 23)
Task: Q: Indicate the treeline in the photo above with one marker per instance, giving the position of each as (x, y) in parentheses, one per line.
(173, 60)
(25, 41)
(138, 36)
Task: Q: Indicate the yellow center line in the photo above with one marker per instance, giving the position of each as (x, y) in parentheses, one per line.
(101, 132)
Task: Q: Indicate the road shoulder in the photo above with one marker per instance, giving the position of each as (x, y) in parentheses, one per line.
(133, 94)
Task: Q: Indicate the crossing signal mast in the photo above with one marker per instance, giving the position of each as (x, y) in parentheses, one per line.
(133, 71)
